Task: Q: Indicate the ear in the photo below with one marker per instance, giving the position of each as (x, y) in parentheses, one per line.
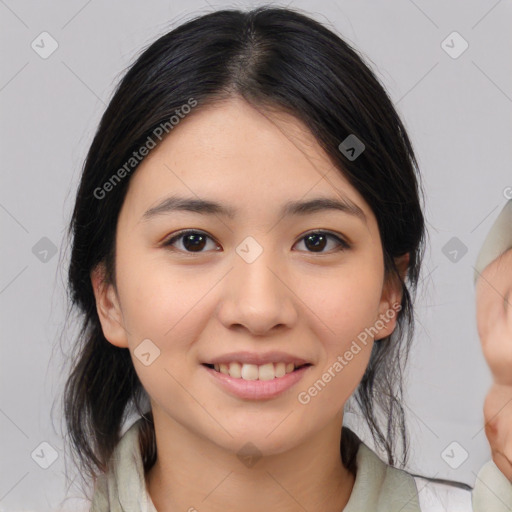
(108, 308)
(391, 299)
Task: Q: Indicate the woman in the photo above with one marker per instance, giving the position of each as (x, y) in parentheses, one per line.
(247, 240)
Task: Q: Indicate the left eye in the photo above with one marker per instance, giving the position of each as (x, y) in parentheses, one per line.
(195, 241)
(318, 240)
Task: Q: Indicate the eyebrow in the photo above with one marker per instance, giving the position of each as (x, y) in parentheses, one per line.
(205, 207)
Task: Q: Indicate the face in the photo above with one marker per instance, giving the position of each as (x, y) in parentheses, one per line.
(254, 280)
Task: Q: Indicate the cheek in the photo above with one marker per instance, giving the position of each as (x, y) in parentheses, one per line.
(166, 305)
(171, 306)
(340, 310)
(163, 302)
(342, 304)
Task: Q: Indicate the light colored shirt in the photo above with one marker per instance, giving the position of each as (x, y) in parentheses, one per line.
(378, 487)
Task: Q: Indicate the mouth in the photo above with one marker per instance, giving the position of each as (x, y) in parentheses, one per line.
(256, 382)
(264, 372)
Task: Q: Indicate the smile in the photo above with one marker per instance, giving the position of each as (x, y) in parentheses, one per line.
(266, 371)
(256, 388)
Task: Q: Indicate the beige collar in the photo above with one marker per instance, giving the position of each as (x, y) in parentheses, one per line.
(377, 486)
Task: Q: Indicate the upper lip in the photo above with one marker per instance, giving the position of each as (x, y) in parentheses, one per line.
(257, 358)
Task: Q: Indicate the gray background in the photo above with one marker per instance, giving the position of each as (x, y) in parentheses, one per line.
(456, 110)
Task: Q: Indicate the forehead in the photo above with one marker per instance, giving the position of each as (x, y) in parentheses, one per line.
(235, 154)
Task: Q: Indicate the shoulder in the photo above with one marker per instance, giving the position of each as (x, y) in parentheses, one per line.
(388, 486)
(440, 496)
(492, 493)
(379, 486)
(123, 486)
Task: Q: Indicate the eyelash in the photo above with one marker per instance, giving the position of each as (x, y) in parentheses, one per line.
(343, 245)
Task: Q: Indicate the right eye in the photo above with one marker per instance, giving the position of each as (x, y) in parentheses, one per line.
(193, 241)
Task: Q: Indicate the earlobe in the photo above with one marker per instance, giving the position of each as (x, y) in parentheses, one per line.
(386, 321)
(108, 308)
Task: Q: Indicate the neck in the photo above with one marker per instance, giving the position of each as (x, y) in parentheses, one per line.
(192, 473)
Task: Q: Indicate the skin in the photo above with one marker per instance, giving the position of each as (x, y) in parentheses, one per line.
(494, 321)
(195, 306)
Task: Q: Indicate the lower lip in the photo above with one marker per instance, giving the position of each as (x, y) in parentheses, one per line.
(257, 389)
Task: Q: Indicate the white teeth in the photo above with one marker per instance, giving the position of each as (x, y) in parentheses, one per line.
(266, 371)
(235, 370)
(280, 369)
(249, 372)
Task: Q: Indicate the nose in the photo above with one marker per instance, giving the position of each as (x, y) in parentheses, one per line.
(256, 296)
